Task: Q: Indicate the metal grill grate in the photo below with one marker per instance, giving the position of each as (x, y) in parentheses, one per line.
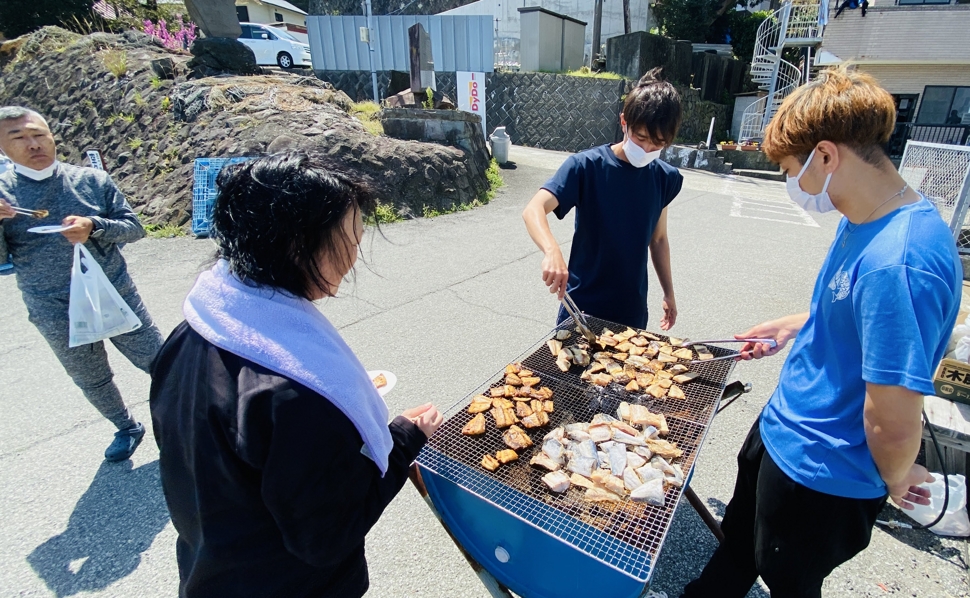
(942, 173)
(626, 535)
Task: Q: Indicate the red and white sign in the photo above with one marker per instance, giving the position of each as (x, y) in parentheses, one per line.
(471, 95)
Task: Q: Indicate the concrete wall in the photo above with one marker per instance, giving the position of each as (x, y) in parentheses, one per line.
(573, 48)
(265, 13)
(901, 34)
(912, 78)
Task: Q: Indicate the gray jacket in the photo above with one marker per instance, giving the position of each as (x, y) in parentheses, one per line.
(43, 261)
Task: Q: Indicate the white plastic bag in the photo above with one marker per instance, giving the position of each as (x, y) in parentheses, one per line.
(960, 340)
(96, 310)
(955, 522)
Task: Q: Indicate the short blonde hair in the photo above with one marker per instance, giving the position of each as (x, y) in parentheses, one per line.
(842, 107)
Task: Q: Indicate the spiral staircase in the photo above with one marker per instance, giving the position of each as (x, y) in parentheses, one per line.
(792, 25)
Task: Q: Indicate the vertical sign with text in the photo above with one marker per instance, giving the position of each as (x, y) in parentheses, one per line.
(471, 95)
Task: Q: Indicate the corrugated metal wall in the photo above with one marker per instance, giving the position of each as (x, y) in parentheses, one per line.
(458, 43)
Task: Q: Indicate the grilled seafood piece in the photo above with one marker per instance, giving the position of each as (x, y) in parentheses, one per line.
(563, 362)
(536, 405)
(703, 353)
(635, 460)
(548, 406)
(513, 368)
(513, 380)
(677, 342)
(651, 492)
(607, 341)
(531, 381)
(554, 449)
(684, 353)
(663, 448)
(676, 392)
(507, 456)
(637, 361)
(516, 438)
(621, 377)
(649, 472)
(633, 386)
(504, 417)
(645, 379)
(601, 379)
(597, 366)
(685, 378)
(581, 481)
(562, 335)
(664, 374)
(625, 335)
(480, 404)
(613, 367)
(490, 463)
(615, 485)
(475, 427)
(542, 460)
(554, 346)
(600, 432)
(639, 341)
(664, 383)
(522, 410)
(624, 346)
(497, 391)
(617, 453)
(625, 438)
(637, 351)
(581, 465)
(631, 480)
(524, 393)
(597, 494)
(536, 420)
(621, 356)
(557, 481)
(678, 368)
(544, 393)
(656, 391)
(503, 404)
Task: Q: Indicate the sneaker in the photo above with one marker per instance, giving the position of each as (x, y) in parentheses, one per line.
(125, 443)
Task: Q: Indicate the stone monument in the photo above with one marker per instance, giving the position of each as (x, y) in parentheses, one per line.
(219, 51)
(422, 62)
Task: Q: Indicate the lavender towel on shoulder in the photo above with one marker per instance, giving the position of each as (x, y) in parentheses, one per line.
(289, 336)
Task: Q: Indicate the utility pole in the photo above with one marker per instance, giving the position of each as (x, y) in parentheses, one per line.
(626, 17)
(370, 46)
(597, 31)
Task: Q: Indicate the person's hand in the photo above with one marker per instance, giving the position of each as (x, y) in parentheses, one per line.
(907, 491)
(6, 210)
(781, 331)
(426, 417)
(80, 228)
(555, 273)
(670, 313)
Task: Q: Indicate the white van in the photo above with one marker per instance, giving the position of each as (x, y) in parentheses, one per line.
(274, 46)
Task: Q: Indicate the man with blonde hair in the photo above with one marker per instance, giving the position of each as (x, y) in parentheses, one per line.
(842, 429)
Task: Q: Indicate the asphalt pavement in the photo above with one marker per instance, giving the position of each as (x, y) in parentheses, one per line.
(443, 303)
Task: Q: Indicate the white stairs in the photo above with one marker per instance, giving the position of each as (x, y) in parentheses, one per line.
(792, 25)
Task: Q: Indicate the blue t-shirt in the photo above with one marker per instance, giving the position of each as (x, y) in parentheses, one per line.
(617, 208)
(882, 312)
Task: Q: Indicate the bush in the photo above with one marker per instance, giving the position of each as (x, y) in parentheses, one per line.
(179, 38)
(743, 29)
(687, 19)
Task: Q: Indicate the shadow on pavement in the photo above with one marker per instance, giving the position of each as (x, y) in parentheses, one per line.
(922, 539)
(115, 520)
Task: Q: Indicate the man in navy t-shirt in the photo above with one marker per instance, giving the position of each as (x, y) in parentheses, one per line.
(842, 430)
(620, 193)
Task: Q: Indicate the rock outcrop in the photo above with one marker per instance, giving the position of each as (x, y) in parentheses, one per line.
(101, 91)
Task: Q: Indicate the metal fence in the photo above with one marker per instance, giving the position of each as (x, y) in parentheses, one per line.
(458, 43)
(942, 173)
(946, 134)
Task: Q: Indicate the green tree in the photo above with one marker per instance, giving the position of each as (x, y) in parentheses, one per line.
(18, 17)
(743, 28)
(687, 19)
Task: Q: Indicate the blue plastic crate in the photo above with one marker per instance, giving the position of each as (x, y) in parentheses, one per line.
(204, 191)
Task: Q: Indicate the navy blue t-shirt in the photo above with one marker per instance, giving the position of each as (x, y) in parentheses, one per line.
(617, 209)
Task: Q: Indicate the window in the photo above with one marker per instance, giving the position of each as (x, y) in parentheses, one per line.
(944, 105)
(278, 17)
(242, 13)
(916, 2)
(247, 32)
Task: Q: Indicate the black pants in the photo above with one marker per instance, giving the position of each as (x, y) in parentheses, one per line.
(790, 535)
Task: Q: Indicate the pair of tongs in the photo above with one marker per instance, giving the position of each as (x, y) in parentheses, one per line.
(573, 310)
(765, 341)
(32, 213)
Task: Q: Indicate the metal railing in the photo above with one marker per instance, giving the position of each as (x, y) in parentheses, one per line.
(946, 134)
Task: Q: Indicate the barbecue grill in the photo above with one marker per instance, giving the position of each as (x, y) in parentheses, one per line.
(540, 544)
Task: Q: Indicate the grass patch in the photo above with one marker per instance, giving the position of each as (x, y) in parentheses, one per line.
(116, 61)
(586, 72)
(368, 113)
(384, 213)
(156, 81)
(135, 143)
(166, 103)
(139, 101)
(494, 178)
(161, 231)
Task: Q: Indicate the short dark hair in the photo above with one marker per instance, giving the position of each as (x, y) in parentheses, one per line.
(276, 216)
(654, 104)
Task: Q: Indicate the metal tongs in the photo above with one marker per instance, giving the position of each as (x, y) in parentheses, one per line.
(573, 310)
(33, 213)
(765, 341)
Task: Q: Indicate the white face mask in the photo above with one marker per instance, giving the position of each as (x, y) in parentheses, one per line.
(820, 203)
(37, 175)
(636, 154)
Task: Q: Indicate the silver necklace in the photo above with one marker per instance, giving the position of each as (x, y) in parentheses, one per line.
(849, 229)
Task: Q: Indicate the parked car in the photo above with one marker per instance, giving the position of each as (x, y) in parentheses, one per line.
(274, 46)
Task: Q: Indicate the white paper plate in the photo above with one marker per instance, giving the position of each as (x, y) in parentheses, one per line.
(391, 380)
(52, 228)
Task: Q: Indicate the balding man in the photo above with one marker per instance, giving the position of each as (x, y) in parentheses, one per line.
(95, 213)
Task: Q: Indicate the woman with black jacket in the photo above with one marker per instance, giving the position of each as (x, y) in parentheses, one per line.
(275, 452)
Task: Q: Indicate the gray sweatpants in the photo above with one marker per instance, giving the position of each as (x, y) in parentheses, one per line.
(88, 365)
